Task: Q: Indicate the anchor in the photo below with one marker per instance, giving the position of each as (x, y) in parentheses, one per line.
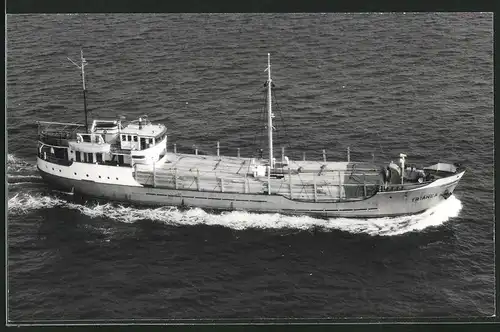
(446, 194)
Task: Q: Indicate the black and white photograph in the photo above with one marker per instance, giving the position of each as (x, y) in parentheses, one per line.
(249, 166)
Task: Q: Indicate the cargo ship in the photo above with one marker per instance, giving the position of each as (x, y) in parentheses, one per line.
(130, 162)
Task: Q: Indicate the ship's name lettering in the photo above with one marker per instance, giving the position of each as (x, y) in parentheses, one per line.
(416, 199)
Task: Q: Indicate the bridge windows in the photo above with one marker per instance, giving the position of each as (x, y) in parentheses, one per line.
(88, 157)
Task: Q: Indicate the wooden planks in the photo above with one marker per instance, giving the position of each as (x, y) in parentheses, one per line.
(309, 180)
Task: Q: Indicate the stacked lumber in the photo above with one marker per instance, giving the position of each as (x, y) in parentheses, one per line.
(308, 180)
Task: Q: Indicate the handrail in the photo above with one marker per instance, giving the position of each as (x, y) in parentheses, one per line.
(94, 138)
(56, 160)
(51, 145)
(60, 134)
(398, 187)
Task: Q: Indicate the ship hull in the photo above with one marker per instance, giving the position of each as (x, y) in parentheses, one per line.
(382, 204)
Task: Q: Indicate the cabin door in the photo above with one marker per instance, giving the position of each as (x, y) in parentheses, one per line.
(143, 143)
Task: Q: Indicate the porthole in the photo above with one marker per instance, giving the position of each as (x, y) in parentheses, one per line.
(108, 177)
(52, 168)
(75, 173)
(117, 178)
(99, 176)
(59, 171)
(87, 175)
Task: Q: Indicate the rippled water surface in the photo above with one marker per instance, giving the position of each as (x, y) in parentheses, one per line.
(380, 83)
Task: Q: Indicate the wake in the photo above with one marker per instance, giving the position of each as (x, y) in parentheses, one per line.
(15, 164)
(24, 203)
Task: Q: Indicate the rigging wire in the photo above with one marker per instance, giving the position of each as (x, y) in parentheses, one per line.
(261, 119)
(287, 137)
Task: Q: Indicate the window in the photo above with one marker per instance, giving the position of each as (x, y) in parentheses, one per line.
(135, 138)
(124, 138)
(98, 157)
(91, 157)
(78, 156)
(129, 138)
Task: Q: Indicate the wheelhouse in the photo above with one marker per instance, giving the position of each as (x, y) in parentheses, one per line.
(107, 142)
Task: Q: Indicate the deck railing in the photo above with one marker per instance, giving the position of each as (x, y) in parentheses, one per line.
(58, 129)
(318, 189)
(55, 160)
(90, 138)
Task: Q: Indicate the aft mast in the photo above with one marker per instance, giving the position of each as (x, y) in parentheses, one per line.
(82, 68)
(269, 113)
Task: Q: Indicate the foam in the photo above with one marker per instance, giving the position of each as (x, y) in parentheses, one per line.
(23, 176)
(11, 158)
(433, 217)
(22, 183)
(16, 164)
(24, 203)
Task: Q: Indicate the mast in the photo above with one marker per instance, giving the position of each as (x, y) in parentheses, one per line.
(269, 113)
(82, 68)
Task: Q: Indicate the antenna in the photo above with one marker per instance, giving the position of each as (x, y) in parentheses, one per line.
(82, 65)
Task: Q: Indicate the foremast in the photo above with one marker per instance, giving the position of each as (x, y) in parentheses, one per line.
(82, 65)
(269, 112)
